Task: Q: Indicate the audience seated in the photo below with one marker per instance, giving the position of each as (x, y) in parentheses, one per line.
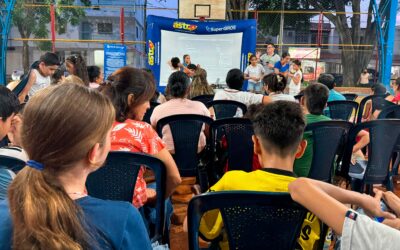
(278, 129)
(313, 103)
(274, 85)
(234, 80)
(357, 231)
(95, 76)
(200, 84)
(329, 81)
(177, 89)
(9, 106)
(48, 207)
(130, 90)
(373, 107)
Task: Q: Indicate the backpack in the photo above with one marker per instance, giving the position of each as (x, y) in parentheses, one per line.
(22, 84)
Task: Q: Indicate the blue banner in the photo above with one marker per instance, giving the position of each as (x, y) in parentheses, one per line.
(114, 58)
(215, 46)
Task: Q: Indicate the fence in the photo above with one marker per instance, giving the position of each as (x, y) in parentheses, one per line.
(309, 35)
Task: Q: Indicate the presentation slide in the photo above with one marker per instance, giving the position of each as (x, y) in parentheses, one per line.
(217, 54)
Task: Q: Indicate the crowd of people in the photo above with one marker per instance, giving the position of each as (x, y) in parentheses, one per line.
(62, 119)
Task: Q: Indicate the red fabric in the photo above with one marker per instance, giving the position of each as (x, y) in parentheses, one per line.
(137, 137)
(396, 99)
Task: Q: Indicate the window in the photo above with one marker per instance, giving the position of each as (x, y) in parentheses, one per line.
(302, 37)
(104, 28)
(86, 31)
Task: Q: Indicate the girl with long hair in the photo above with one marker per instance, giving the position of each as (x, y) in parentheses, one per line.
(200, 84)
(48, 207)
(76, 65)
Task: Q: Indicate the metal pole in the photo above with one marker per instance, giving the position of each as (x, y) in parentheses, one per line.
(122, 25)
(53, 28)
(282, 23)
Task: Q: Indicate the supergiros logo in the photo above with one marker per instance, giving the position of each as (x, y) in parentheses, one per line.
(151, 53)
(184, 26)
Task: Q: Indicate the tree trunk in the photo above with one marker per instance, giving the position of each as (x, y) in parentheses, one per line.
(25, 56)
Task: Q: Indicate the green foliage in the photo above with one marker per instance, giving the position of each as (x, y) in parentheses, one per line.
(34, 21)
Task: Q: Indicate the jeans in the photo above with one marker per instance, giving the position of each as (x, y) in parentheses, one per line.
(149, 214)
(253, 86)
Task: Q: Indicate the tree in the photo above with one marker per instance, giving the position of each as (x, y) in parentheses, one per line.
(348, 26)
(34, 22)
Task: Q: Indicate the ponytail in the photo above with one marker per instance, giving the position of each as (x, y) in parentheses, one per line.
(275, 82)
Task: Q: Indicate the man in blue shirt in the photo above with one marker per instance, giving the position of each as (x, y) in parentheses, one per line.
(282, 66)
(329, 81)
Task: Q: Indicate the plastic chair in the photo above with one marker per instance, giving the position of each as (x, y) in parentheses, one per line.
(363, 102)
(238, 133)
(350, 96)
(11, 163)
(390, 112)
(203, 98)
(342, 110)
(329, 137)
(116, 180)
(384, 136)
(226, 108)
(149, 112)
(252, 220)
(185, 131)
(298, 97)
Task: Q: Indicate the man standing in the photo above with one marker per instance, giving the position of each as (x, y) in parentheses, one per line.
(269, 59)
(40, 73)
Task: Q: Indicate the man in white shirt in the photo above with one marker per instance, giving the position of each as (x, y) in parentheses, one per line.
(40, 75)
(269, 59)
(234, 80)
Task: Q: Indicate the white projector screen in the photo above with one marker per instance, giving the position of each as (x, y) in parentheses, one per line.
(217, 54)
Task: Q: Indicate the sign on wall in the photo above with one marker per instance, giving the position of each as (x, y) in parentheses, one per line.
(114, 58)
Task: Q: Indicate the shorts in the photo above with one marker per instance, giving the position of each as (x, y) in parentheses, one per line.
(253, 86)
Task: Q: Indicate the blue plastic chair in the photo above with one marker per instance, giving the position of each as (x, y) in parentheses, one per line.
(363, 103)
(185, 131)
(116, 180)
(252, 220)
(11, 163)
(203, 98)
(226, 108)
(329, 137)
(342, 110)
(237, 133)
(149, 112)
(350, 96)
(384, 136)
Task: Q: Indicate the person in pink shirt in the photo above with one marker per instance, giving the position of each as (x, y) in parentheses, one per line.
(178, 89)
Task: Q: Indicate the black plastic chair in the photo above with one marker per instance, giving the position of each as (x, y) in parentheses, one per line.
(116, 180)
(350, 96)
(185, 131)
(384, 135)
(203, 98)
(149, 112)
(342, 110)
(252, 220)
(237, 133)
(298, 97)
(390, 112)
(329, 138)
(11, 163)
(363, 103)
(226, 108)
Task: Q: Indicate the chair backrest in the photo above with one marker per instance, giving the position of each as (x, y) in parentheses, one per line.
(384, 136)
(252, 220)
(328, 138)
(149, 112)
(116, 180)
(226, 108)
(11, 163)
(185, 130)
(390, 112)
(203, 98)
(362, 105)
(342, 110)
(350, 96)
(238, 133)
